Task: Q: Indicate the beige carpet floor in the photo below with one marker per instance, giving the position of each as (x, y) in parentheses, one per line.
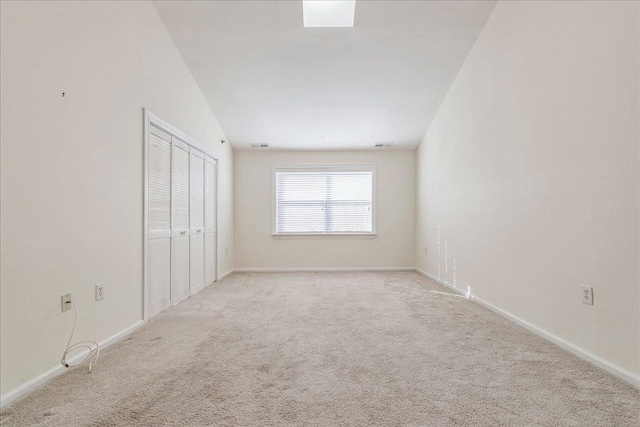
(331, 349)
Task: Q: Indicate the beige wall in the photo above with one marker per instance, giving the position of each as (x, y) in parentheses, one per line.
(395, 216)
(530, 172)
(72, 168)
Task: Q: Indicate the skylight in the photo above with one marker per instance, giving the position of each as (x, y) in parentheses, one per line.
(328, 13)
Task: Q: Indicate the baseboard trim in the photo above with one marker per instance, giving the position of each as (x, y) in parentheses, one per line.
(440, 282)
(629, 377)
(225, 274)
(196, 289)
(27, 387)
(320, 270)
(611, 368)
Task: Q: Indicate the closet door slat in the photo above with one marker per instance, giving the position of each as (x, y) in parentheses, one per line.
(197, 193)
(159, 220)
(209, 196)
(159, 184)
(196, 257)
(180, 190)
(210, 246)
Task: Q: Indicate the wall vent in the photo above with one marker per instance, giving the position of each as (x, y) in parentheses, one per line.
(260, 145)
(383, 144)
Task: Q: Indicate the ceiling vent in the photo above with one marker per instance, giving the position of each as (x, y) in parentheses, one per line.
(260, 145)
(383, 144)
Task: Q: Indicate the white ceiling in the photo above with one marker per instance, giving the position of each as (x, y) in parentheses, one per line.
(270, 80)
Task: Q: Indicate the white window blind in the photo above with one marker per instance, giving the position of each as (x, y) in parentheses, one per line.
(324, 201)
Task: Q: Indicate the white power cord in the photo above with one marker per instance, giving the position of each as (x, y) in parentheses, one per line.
(92, 346)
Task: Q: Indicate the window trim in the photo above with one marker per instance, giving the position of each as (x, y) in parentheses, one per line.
(324, 168)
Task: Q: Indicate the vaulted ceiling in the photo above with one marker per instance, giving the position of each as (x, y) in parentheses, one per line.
(270, 80)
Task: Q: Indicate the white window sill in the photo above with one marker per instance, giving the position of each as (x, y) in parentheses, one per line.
(329, 235)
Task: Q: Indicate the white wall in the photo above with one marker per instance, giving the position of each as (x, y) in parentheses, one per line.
(395, 220)
(530, 171)
(72, 168)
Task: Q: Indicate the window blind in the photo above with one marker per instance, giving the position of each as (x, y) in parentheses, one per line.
(324, 201)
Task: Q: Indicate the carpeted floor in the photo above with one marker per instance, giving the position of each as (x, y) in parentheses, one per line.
(331, 349)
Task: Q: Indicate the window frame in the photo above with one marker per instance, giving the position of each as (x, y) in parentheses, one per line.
(323, 168)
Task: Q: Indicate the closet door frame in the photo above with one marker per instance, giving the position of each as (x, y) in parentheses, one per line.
(151, 119)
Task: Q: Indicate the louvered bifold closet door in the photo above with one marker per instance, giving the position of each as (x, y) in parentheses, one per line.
(181, 225)
(197, 220)
(159, 220)
(209, 220)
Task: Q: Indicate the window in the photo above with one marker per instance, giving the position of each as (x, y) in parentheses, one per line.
(323, 200)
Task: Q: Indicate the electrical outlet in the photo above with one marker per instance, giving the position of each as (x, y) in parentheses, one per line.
(226, 251)
(425, 251)
(587, 294)
(64, 301)
(99, 291)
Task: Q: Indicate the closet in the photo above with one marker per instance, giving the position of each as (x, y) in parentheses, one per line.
(181, 220)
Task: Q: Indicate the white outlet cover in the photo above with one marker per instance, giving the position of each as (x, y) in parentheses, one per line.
(587, 294)
(99, 291)
(64, 302)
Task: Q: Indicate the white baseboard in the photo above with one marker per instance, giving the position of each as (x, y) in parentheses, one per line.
(225, 274)
(440, 282)
(36, 382)
(196, 289)
(319, 270)
(615, 370)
